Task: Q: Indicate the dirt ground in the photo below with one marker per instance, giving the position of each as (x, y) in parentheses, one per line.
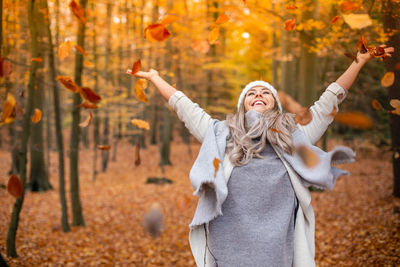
(357, 223)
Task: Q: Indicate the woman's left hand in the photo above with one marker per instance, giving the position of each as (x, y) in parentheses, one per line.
(365, 57)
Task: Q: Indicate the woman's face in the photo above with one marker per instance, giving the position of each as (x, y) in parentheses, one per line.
(259, 98)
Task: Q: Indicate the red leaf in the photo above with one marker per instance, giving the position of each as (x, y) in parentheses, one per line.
(89, 95)
(335, 18)
(291, 6)
(37, 59)
(81, 50)
(14, 186)
(290, 24)
(156, 32)
(102, 147)
(136, 67)
(349, 6)
(88, 105)
(78, 11)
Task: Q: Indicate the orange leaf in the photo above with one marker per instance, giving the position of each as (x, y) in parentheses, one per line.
(222, 18)
(274, 130)
(88, 63)
(14, 186)
(88, 105)
(303, 116)
(5, 67)
(68, 83)
(140, 85)
(309, 157)
(156, 32)
(81, 50)
(291, 6)
(37, 115)
(349, 6)
(354, 119)
(169, 19)
(137, 154)
(334, 112)
(213, 36)
(136, 67)
(216, 166)
(87, 121)
(102, 147)
(64, 49)
(387, 79)
(89, 95)
(201, 46)
(335, 18)
(376, 105)
(8, 108)
(396, 104)
(362, 45)
(290, 24)
(141, 124)
(37, 59)
(78, 11)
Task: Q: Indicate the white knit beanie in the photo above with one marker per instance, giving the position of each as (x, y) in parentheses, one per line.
(258, 83)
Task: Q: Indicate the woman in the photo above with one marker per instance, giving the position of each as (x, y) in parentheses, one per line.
(267, 218)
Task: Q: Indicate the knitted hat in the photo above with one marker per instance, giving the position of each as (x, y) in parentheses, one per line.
(258, 83)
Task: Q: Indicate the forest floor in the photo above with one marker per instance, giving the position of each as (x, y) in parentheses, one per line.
(357, 223)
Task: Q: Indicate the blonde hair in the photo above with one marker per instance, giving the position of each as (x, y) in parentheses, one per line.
(274, 125)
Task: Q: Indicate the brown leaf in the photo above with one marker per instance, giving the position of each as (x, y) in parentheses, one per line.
(5, 67)
(222, 18)
(141, 124)
(216, 166)
(396, 104)
(136, 67)
(64, 49)
(376, 105)
(387, 79)
(81, 50)
(309, 157)
(68, 83)
(37, 115)
(304, 116)
(362, 45)
(397, 66)
(140, 85)
(78, 11)
(88, 105)
(354, 119)
(87, 121)
(103, 147)
(14, 186)
(137, 154)
(89, 95)
(290, 24)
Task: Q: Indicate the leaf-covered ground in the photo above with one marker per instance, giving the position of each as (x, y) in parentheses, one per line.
(357, 224)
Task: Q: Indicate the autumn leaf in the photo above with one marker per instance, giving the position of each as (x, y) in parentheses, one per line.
(290, 24)
(216, 166)
(213, 36)
(291, 6)
(89, 95)
(309, 157)
(376, 105)
(136, 67)
(397, 66)
(362, 45)
(140, 85)
(357, 21)
(88, 105)
(387, 79)
(37, 115)
(8, 108)
(333, 112)
(87, 121)
(64, 49)
(201, 46)
(37, 59)
(68, 83)
(5, 67)
(78, 11)
(222, 18)
(156, 32)
(103, 147)
(335, 19)
(88, 63)
(354, 119)
(169, 19)
(14, 186)
(396, 104)
(137, 154)
(81, 50)
(274, 130)
(304, 116)
(348, 6)
(141, 124)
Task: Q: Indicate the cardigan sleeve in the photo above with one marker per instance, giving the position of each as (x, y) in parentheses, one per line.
(193, 116)
(321, 110)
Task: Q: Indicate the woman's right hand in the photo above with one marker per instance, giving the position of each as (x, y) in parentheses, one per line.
(145, 74)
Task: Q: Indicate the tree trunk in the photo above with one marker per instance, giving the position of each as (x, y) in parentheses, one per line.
(391, 21)
(12, 230)
(58, 124)
(77, 216)
(3, 263)
(287, 65)
(106, 142)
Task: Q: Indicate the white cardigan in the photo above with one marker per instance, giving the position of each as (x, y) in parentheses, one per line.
(197, 121)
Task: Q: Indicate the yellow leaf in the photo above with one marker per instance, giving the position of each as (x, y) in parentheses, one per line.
(387, 79)
(37, 115)
(64, 49)
(169, 19)
(140, 85)
(222, 18)
(357, 21)
(141, 124)
(88, 63)
(213, 36)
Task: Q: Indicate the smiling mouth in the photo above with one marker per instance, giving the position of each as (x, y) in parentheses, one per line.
(259, 103)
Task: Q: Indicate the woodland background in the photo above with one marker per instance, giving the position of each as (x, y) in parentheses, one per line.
(85, 185)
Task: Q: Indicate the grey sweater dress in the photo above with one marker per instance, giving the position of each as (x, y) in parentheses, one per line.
(257, 225)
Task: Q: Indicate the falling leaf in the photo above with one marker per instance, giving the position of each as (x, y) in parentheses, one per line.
(64, 49)
(309, 157)
(156, 32)
(357, 21)
(140, 85)
(88, 105)
(291, 6)
(376, 105)
(37, 115)
(222, 18)
(141, 124)
(274, 130)
(290, 24)
(68, 83)
(354, 119)
(78, 11)
(201, 46)
(5, 67)
(37, 59)
(169, 19)
(396, 155)
(8, 108)
(335, 18)
(87, 121)
(216, 166)
(395, 103)
(103, 147)
(88, 63)
(213, 36)
(81, 50)
(136, 67)
(137, 154)
(397, 66)
(362, 45)
(89, 95)
(14, 186)
(333, 112)
(304, 116)
(349, 6)
(387, 79)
